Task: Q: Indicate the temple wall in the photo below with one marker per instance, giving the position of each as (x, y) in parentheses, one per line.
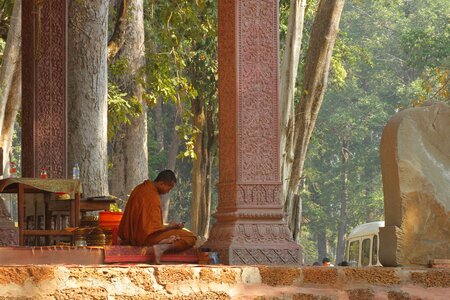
(221, 282)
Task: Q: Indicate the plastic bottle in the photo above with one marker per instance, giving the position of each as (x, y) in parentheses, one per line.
(76, 171)
(43, 174)
(12, 169)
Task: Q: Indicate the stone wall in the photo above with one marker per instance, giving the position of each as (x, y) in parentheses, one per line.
(221, 282)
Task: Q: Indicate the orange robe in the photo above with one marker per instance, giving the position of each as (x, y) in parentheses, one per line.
(142, 223)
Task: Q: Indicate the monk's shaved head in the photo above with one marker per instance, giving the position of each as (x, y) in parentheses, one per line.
(166, 176)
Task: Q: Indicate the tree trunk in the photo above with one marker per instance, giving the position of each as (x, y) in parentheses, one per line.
(343, 211)
(12, 108)
(321, 244)
(201, 169)
(87, 93)
(11, 57)
(171, 160)
(118, 37)
(159, 120)
(129, 146)
(323, 36)
(289, 70)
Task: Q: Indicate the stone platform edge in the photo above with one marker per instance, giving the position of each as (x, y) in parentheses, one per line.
(220, 282)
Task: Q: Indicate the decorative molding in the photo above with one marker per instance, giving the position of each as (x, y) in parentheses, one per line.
(232, 196)
(250, 233)
(253, 214)
(265, 256)
(259, 194)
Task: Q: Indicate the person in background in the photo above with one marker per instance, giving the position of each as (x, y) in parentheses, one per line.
(316, 264)
(142, 222)
(326, 262)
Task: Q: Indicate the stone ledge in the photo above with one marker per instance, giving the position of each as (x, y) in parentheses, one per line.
(220, 282)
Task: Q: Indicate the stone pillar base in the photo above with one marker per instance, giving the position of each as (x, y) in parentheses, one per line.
(244, 243)
(390, 237)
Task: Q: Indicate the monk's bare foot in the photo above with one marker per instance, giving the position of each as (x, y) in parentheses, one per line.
(163, 246)
(170, 239)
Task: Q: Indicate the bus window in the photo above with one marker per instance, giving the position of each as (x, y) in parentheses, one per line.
(365, 252)
(353, 252)
(375, 250)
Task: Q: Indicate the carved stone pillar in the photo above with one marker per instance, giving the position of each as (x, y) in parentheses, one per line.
(44, 58)
(250, 228)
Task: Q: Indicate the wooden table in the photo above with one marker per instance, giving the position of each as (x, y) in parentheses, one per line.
(86, 205)
(20, 186)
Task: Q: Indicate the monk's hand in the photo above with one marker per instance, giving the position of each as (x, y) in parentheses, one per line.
(175, 225)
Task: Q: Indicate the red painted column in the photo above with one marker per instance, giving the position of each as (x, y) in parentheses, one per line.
(250, 228)
(44, 77)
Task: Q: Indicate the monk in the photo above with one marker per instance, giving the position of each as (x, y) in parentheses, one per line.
(142, 223)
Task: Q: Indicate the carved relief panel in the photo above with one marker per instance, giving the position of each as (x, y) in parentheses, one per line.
(44, 27)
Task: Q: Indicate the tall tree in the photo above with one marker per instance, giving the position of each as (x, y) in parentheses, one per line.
(10, 82)
(183, 68)
(315, 78)
(129, 145)
(87, 93)
(288, 80)
(11, 111)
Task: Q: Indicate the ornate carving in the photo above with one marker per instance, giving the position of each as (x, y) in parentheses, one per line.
(259, 194)
(255, 234)
(27, 88)
(250, 234)
(44, 88)
(258, 91)
(250, 213)
(234, 196)
(265, 256)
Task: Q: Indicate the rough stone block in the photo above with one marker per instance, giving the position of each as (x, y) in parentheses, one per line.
(373, 276)
(320, 275)
(358, 294)
(279, 275)
(415, 164)
(431, 279)
(167, 275)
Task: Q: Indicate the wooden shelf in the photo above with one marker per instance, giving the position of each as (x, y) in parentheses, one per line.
(20, 186)
(29, 232)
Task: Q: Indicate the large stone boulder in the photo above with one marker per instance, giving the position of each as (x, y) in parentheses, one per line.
(415, 165)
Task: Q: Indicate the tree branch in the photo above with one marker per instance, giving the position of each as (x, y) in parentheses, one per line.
(117, 39)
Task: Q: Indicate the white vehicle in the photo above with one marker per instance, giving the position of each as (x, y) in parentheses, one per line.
(363, 244)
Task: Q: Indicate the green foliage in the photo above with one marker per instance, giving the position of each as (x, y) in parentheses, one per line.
(181, 69)
(119, 67)
(177, 31)
(121, 109)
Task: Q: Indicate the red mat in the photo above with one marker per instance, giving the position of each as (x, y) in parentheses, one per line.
(133, 254)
